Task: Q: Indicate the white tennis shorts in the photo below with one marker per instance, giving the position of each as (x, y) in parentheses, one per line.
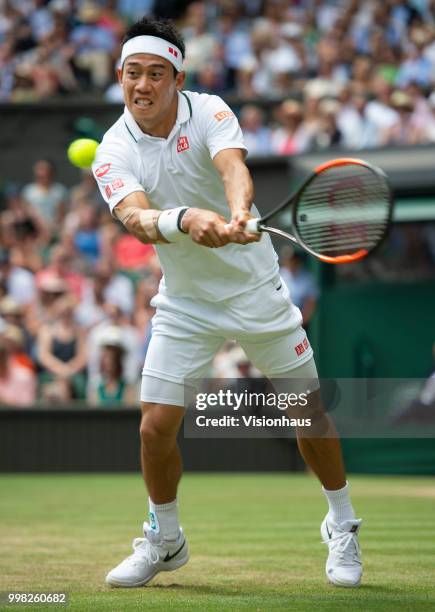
(187, 334)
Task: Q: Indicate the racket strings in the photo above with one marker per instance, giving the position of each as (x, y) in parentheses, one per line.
(342, 210)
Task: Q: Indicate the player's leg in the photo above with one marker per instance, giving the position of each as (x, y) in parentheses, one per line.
(180, 349)
(160, 456)
(321, 449)
(285, 354)
(163, 547)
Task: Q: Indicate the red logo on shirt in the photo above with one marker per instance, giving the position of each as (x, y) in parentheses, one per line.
(182, 144)
(102, 170)
(108, 191)
(117, 184)
(173, 52)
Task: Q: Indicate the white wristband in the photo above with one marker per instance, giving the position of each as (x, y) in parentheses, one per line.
(168, 224)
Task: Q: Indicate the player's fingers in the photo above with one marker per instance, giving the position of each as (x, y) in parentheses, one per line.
(211, 238)
(220, 238)
(224, 234)
(245, 237)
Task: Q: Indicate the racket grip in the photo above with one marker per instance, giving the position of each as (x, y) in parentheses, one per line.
(252, 226)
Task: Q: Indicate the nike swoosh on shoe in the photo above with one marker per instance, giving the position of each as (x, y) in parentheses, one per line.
(169, 557)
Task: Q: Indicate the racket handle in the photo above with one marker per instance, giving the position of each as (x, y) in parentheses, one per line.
(252, 226)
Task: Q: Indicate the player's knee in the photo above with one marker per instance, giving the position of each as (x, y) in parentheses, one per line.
(312, 412)
(154, 439)
(319, 420)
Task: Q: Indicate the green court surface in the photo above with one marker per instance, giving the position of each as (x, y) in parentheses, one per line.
(254, 542)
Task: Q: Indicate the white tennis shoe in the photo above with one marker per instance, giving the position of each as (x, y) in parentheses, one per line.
(343, 567)
(151, 555)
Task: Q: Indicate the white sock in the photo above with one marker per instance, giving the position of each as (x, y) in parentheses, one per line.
(164, 519)
(340, 506)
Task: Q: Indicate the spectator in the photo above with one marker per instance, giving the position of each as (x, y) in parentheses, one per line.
(107, 286)
(8, 63)
(42, 310)
(291, 137)
(41, 20)
(378, 110)
(12, 315)
(22, 231)
(46, 197)
(114, 330)
(119, 289)
(300, 283)
(87, 237)
(358, 130)
(328, 133)
(129, 254)
(252, 73)
(62, 265)
(17, 383)
(112, 388)
(94, 46)
(201, 43)
(258, 137)
(405, 131)
(235, 40)
(416, 67)
(61, 348)
(19, 282)
(210, 78)
(15, 341)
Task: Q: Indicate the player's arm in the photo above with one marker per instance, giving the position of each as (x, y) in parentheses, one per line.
(121, 188)
(239, 190)
(139, 219)
(204, 226)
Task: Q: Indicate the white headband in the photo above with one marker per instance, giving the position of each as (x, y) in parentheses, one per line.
(155, 46)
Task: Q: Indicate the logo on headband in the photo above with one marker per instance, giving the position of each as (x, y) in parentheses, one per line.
(173, 51)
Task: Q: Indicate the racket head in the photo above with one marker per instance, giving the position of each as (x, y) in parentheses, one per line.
(342, 213)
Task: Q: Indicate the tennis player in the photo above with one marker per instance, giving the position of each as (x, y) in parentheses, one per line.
(172, 170)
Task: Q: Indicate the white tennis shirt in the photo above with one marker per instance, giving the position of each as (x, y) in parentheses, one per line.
(178, 171)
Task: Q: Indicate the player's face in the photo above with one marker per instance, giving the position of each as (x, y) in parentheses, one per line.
(150, 91)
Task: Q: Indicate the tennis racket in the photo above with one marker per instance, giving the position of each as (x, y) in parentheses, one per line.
(340, 214)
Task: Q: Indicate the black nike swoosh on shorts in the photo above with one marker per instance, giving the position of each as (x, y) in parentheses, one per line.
(327, 530)
(169, 557)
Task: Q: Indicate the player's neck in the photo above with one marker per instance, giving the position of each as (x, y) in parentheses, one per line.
(162, 128)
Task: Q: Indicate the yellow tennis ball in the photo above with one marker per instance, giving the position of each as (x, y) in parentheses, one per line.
(81, 152)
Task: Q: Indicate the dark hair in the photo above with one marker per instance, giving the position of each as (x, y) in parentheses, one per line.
(162, 28)
(117, 353)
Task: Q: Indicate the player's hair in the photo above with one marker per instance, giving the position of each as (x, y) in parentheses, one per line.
(162, 28)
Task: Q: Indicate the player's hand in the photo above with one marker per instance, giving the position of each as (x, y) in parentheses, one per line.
(206, 227)
(237, 226)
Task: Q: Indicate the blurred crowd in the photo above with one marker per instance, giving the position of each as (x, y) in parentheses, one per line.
(76, 297)
(75, 293)
(328, 72)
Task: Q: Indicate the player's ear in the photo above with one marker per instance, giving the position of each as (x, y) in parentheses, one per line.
(179, 80)
(119, 73)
